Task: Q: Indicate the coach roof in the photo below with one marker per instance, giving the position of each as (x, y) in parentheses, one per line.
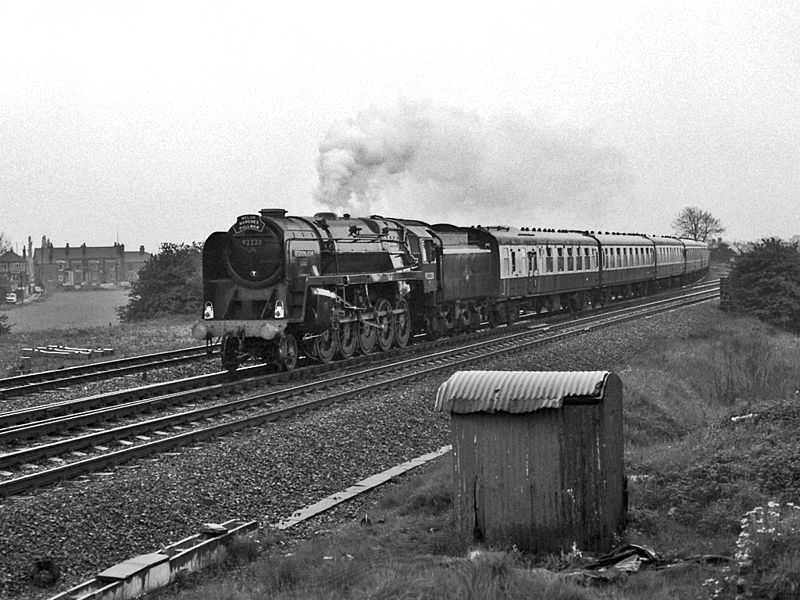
(520, 237)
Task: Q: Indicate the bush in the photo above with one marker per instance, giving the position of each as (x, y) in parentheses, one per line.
(170, 282)
(766, 563)
(765, 282)
(5, 327)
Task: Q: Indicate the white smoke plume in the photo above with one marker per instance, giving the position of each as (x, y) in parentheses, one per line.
(437, 164)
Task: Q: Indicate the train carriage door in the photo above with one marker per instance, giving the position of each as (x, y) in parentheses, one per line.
(533, 267)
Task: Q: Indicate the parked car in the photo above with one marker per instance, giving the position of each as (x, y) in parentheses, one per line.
(11, 298)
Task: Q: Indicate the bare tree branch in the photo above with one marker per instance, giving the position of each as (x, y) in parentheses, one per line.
(696, 224)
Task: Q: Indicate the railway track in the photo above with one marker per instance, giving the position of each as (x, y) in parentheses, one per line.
(227, 405)
(20, 385)
(42, 380)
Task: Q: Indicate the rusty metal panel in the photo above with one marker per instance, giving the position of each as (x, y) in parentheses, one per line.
(516, 391)
(542, 480)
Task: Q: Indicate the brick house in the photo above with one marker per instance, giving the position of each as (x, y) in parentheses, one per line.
(13, 270)
(83, 265)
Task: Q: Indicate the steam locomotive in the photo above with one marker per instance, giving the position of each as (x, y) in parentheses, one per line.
(277, 287)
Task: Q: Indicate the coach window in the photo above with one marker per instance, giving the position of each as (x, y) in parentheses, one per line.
(513, 261)
(549, 260)
(570, 260)
(560, 259)
(532, 266)
(578, 259)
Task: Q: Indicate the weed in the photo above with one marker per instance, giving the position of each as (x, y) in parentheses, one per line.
(766, 560)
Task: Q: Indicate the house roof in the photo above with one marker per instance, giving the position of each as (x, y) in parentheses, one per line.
(77, 252)
(134, 256)
(11, 256)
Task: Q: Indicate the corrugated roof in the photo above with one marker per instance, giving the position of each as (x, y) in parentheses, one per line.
(516, 391)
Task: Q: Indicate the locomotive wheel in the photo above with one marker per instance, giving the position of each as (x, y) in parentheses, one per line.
(385, 320)
(367, 337)
(287, 352)
(402, 323)
(346, 339)
(229, 352)
(325, 347)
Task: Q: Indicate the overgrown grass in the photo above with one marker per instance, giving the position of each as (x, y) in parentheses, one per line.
(702, 484)
(165, 333)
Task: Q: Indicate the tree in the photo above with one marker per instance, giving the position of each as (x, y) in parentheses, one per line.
(722, 253)
(4, 243)
(5, 326)
(696, 224)
(765, 282)
(169, 283)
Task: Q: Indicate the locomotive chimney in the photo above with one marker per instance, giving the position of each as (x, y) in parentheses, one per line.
(275, 213)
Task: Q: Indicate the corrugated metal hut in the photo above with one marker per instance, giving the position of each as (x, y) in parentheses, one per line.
(538, 457)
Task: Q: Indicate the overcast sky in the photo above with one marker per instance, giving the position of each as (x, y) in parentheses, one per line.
(153, 122)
